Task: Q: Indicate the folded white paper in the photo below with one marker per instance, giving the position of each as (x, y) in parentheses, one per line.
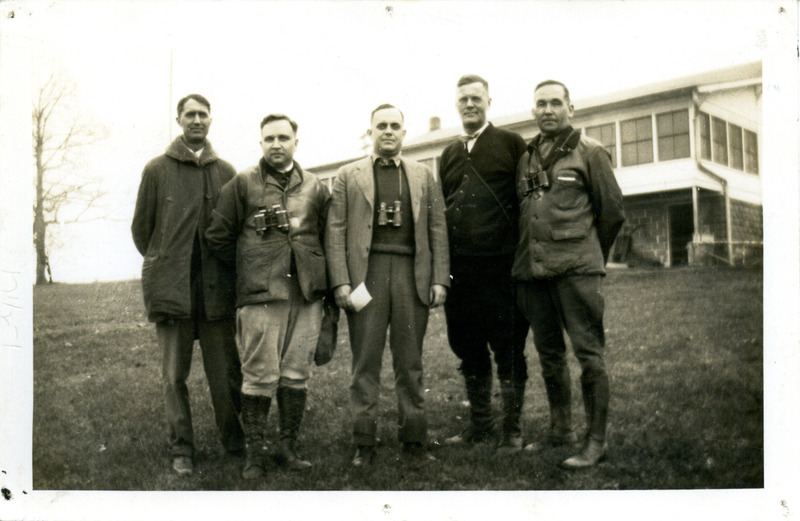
(360, 297)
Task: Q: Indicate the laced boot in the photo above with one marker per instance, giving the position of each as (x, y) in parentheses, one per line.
(255, 410)
(481, 427)
(291, 406)
(512, 394)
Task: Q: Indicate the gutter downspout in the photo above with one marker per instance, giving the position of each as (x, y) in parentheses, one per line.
(724, 182)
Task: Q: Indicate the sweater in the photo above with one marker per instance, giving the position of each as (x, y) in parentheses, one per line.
(476, 224)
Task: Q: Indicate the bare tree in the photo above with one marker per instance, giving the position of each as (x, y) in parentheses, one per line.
(58, 133)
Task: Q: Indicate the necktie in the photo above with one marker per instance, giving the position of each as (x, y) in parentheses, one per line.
(385, 162)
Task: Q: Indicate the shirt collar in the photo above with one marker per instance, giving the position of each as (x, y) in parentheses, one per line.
(474, 135)
(395, 159)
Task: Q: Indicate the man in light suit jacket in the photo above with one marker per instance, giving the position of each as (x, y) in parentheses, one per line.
(386, 229)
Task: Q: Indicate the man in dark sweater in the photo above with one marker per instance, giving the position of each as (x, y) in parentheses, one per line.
(478, 181)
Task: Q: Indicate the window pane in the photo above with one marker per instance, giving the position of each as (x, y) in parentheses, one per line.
(644, 128)
(629, 154)
(594, 133)
(682, 145)
(666, 148)
(751, 152)
(628, 131)
(673, 127)
(637, 141)
(609, 136)
(719, 137)
(680, 121)
(645, 151)
(664, 124)
(705, 135)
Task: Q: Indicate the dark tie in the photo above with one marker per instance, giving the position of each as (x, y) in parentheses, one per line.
(388, 163)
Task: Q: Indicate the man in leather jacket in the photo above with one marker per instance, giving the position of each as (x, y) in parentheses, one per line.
(570, 213)
(269, 222)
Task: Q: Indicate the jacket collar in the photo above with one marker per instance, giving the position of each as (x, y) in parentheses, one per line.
(295, 177)
(178, 150)
(558, 138)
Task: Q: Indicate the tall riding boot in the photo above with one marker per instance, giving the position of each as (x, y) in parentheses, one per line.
(595, 401)
(291, 406)
(513, 394)
(255, 410)
(481, 428)
(559, 397)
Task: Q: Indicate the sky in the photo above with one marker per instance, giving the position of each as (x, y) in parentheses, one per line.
(327, 65)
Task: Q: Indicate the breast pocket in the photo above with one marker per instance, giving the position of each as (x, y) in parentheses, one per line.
(568, 190)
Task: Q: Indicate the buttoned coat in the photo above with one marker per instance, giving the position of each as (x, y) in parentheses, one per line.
(349, 227)
(177, 193)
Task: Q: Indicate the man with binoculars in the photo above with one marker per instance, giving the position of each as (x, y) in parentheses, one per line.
(386, 233)
(269, 222)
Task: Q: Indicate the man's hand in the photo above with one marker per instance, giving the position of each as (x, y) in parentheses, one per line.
(342, 296)
(437, 295)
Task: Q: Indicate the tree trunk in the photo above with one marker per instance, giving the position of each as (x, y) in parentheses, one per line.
(39, 224)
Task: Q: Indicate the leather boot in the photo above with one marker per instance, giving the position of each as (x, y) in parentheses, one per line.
(481, 428)
(595, 401)
(512, 394)
(593, 452)
(559, 399)
(255, 410)
(291, 406)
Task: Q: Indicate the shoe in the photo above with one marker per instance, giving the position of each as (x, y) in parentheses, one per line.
(511, 443)
(415, 453)
(183, 465)
(287, 456)
(593, 452)
(554, 439)
(363, 456)
(470, 436)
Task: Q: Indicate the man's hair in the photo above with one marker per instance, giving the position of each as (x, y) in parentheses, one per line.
(468, 79)
(386, 106)
(197, 97)
(278, 117)
(553, 82)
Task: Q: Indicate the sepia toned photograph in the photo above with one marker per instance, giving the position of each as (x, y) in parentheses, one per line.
(399, 260)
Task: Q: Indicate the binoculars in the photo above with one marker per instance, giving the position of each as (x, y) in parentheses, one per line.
(533, 181)
(390, 215)
(271, 218)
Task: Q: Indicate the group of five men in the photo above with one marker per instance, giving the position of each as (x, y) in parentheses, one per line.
(510, 237)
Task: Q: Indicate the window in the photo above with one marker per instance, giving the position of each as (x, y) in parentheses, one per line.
(737, 151)
(637, 141)
(673, 135)
(719, 138)
(704, 125)
(607, 136)
(750, 152)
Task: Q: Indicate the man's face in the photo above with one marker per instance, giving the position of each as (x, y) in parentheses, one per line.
(195, 119)
(278, 142)
(472, 101)
(551, 108)
(387, 132)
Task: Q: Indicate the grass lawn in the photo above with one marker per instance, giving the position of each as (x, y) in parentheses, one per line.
(684, 351)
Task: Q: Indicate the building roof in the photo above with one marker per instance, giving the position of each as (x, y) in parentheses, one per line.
(627, 96)
(719, 78)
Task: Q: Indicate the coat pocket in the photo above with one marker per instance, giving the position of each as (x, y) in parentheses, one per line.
(571, 232)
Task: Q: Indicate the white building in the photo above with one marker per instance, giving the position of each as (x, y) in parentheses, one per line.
(685, 153)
